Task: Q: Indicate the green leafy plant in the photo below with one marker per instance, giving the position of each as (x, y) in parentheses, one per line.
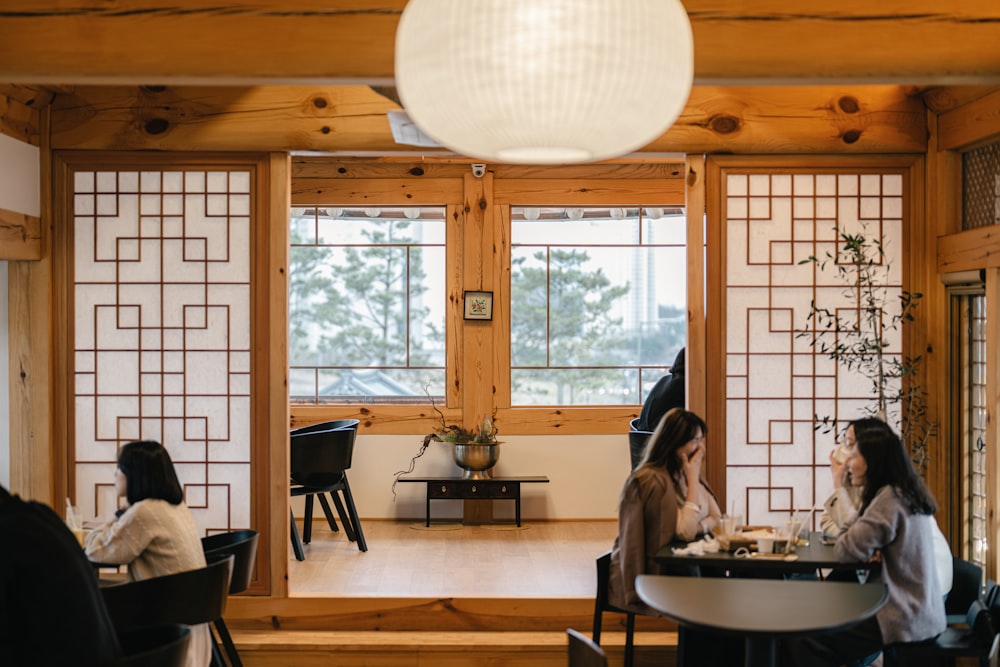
(858, 338)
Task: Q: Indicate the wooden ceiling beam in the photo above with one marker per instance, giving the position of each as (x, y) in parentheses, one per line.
(352, 119)
(272, 42)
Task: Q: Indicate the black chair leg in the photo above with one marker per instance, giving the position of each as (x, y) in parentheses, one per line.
(329, 513)
(595, 633)
(629, 638)
(349, 528)
(307, 524)
(217, 659)
(353, 512)
(296, 542)
(227, 642)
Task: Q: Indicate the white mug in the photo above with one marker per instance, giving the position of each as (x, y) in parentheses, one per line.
(765, 545)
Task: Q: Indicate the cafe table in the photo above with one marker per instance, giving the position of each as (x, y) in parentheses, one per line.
(762, 611)
(806, 559)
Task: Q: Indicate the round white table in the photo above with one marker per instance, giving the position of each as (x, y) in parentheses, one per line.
(761, 610)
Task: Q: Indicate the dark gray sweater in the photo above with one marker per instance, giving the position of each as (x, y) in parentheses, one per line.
(915, 609)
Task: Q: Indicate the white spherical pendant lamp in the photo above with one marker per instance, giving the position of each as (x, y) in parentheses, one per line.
(544, 81)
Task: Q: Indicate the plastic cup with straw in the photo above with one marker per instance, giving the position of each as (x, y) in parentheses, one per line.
(74, 521)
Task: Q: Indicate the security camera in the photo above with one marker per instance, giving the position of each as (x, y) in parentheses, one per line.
(479, 170)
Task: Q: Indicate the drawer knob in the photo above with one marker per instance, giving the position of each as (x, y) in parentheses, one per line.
(503, 489)
(473, 488)
(443, 488)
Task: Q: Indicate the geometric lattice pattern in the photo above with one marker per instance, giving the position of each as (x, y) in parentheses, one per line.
(162, 333)
(974, 418)
(776, 383)
(981, 187)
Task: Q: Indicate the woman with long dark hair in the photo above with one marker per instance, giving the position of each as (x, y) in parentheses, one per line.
(153, 531)
(895, 525)
(664, 499)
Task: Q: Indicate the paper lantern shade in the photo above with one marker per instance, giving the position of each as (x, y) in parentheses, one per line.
(544, 81)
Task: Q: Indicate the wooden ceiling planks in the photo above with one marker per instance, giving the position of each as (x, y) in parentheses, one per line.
(748, 42)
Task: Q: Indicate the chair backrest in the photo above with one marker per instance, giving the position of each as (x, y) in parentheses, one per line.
(583, 652)
(192, 597)
(980, 623)
(990, 591)
(158, 646)
(637, 442)
(242, 544)
(318, 458)
(327, 426)
(966, 586)
(603, 574)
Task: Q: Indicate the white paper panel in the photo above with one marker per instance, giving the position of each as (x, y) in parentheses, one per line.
(162, 332)
(776, 382)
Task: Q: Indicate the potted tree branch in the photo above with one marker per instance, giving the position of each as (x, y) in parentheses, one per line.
(858, 337)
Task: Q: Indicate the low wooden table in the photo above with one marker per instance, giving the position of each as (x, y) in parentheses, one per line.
(459, 488)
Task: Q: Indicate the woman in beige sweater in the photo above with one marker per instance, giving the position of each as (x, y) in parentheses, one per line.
(153, 532)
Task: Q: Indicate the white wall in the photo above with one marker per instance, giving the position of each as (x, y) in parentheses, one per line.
(586, 475)
(19, 192)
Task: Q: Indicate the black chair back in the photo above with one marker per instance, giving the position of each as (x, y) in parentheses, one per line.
(333, 425)
(242, 544)
(966, 586)
(602, 604)
(637, 442)
(319, 458)
(192, 597)
(583, 652)
(158, 646)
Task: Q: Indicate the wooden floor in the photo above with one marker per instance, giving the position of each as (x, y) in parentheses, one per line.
(406, 559)
(448, 596)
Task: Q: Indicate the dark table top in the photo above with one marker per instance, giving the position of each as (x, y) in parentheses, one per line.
(446, 478)
(761, 607)
(807, 559)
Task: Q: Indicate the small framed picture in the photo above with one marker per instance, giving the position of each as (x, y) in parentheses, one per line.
(479, 305)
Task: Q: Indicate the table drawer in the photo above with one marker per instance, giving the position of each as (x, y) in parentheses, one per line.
(447, 489)
(503, 489)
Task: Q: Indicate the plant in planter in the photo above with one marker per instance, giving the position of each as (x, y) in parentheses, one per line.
(475, 449)
(858, 337)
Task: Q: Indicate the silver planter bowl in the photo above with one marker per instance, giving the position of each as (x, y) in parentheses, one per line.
(475, 459)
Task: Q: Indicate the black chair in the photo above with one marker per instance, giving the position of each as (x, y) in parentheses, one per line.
(320, 457)
(990, 593)
(966, 586)
(158, 646)
(190, 598)
(977, 640)
(242, 545)
(636, 442)
(583, 652)
(601, 605)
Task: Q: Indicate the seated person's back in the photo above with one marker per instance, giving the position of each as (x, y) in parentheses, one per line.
(668, 392)
(51, 612)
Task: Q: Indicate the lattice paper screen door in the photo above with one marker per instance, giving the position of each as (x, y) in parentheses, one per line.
(161, 273)
(776, 383)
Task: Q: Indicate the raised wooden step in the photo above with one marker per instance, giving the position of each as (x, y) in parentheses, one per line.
(309, 648)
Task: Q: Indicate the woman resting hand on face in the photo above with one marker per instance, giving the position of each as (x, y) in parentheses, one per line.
(664, 500)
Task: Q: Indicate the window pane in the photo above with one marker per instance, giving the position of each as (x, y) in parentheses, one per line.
(596, 312)
(591, 386)
(366, 304)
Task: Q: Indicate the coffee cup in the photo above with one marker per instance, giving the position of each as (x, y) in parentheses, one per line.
(765, 545)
